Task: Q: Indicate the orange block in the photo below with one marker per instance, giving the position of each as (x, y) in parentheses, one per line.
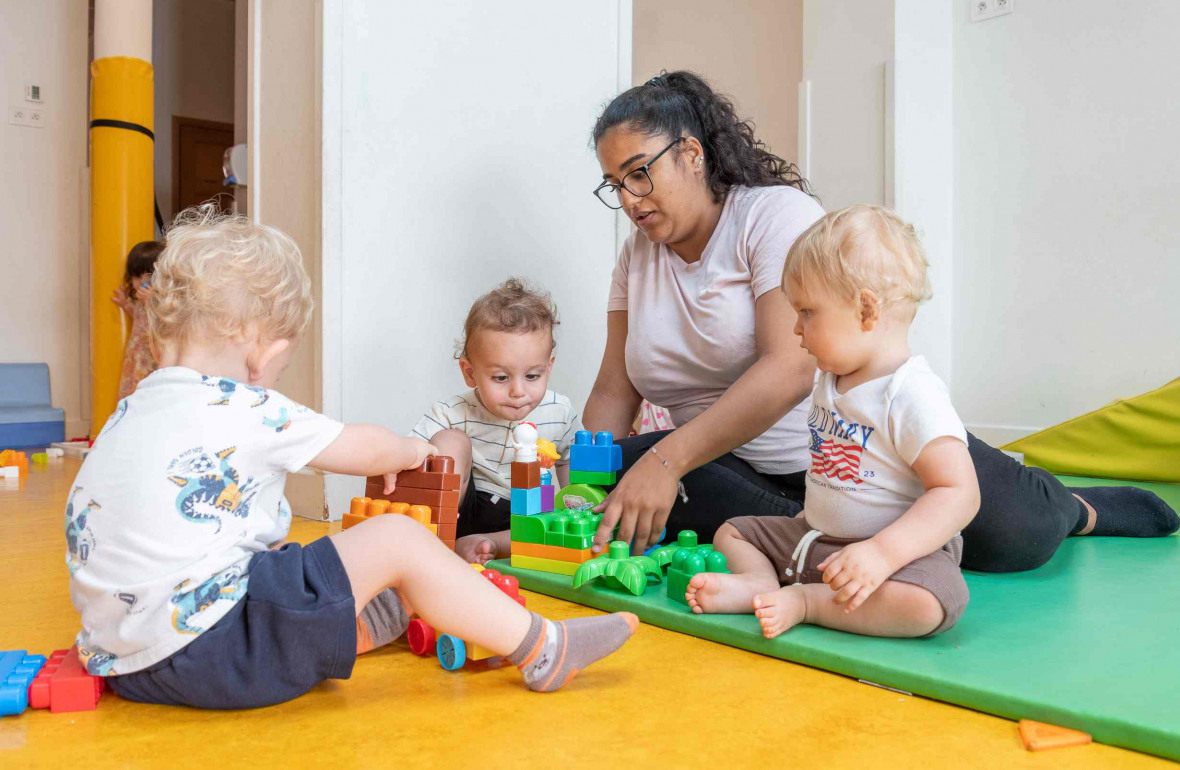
(362, 508)
(572, 555)
(1038, 736)
(11, 457)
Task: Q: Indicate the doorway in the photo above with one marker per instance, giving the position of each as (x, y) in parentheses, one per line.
(198, 147)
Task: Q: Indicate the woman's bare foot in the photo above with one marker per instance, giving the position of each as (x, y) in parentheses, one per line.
(476, 549)
(780, 610)
(721, 593)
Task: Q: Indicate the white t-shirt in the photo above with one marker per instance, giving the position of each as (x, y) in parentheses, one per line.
(690, 327)
(491, 437)
(182, 487)
(864, 444)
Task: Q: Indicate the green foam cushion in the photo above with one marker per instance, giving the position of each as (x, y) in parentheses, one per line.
(1088, 641)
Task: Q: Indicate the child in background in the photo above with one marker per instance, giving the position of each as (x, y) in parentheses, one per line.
(138, 361)
(175, 517)
(876, 549)
(506, 357)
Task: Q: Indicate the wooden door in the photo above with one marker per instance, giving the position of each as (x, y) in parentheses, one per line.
(197, 150)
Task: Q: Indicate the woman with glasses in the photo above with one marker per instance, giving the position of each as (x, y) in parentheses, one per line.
(696, 324)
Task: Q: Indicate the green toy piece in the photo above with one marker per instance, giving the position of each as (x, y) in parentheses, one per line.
(619, 569)
(578, 497)
(684, 559)
(597, 478)
(568, 529)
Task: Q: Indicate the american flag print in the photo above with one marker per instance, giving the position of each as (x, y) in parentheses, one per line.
(836, 461)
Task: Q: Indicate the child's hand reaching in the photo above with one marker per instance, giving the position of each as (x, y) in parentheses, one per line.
(476, 549)
(120, 298)
(416, 449)
(855, 571)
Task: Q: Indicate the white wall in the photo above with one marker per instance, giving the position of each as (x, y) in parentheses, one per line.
(1067, 232)
(751, 50)
(193, 58)
(846, 44)
(462, 132)
(43, 200)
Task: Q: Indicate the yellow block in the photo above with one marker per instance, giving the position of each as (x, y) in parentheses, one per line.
(544, 565)
(1130, 439)
(121, 194)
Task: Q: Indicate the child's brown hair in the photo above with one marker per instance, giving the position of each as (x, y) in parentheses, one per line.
(513, 306)
(141, 260)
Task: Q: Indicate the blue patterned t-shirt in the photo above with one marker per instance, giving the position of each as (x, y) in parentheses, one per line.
(182, 487)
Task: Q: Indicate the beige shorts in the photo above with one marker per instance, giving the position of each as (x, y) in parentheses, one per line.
(778, 537)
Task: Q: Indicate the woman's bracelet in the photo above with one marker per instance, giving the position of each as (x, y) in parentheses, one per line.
(660, 458)
(679, 483)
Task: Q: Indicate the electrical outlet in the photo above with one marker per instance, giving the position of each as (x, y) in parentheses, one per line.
(981, 10)
(1004, 7)
(26, 116)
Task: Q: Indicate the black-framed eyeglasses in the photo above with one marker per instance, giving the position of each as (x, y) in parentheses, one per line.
(637, 182)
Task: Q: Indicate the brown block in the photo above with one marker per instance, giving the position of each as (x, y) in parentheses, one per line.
(432, 497)
(445, 515)
(526, 475)
(447, 532)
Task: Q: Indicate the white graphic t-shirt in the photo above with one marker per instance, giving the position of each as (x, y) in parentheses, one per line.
(864, 444)
(182, 487)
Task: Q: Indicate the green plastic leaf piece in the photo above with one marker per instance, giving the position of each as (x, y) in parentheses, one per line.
(619, 569)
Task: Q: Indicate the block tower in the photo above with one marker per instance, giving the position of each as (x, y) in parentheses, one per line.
(434, 486)
(532, 484)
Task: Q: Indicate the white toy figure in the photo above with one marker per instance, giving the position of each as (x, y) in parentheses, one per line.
(524, 441)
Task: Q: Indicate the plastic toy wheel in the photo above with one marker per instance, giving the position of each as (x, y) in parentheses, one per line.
(420, 636)
(452, 653)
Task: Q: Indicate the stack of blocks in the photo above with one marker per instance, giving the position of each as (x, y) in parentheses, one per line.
(436, 485)
(17, 671)
(529, 494)
(64, 684)
(595, 462)
(14, 464)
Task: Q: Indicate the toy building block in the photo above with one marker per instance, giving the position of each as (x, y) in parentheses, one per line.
(453, 652)
(363, 508)
(600, 454)
(526, 502)
(10, 458)
(1038, 736)
(568, 529)
(63, 684)
(526, 475)
(548, 495)
(617, 568)
(684, 559)
(9, 472)
(55, 452)
(18, 669)
(578, 497)
(438, 473)
(435, 498)
(40, 458)
(555, 552)
(593, 477)
(539, 564)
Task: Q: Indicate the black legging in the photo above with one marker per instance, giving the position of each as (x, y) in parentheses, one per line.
(1024, 515)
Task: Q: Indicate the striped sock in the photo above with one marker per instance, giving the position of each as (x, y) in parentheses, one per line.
(380, 622)
(553, 652)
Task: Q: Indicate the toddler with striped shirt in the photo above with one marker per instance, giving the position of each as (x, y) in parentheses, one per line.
(506, 357)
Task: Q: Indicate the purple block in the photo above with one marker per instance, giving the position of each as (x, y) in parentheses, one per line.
(547, 493)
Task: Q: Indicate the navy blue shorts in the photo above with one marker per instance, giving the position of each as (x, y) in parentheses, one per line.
(295, 628)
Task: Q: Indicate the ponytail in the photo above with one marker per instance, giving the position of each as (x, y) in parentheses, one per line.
(682, 103)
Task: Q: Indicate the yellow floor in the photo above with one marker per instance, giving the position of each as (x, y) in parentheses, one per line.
(668, 698)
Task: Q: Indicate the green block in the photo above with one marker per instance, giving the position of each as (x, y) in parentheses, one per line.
(578, 497)
(527, 529)
(677, 585)
(580, 542)
(597, 478)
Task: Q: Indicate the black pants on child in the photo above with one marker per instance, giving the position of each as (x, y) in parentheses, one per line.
(1023, 516)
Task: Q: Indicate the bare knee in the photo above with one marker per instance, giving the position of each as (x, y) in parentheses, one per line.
(923, 610)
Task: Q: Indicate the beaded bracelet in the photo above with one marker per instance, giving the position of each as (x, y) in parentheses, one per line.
(679, 484)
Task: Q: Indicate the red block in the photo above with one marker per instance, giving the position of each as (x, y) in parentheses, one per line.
(64, 685)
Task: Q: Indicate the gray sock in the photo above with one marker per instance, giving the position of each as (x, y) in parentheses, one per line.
(381, 621)
(554, 651)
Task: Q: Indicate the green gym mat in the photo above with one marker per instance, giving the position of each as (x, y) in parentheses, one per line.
(1088, 641)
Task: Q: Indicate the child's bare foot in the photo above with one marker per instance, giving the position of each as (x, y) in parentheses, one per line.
(476, 549)
(780, 610)
(718, 592)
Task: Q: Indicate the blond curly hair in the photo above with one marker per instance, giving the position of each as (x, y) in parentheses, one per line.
(861, 247)
(222, 274)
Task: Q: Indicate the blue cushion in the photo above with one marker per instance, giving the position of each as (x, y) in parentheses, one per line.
(13, 414)
(17, 435)
(24, 385)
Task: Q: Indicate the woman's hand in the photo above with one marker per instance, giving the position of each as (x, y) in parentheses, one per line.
(640, 505)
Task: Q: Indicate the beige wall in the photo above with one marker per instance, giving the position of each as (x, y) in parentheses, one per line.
(193, 59)
(749, 49)
(44, 202)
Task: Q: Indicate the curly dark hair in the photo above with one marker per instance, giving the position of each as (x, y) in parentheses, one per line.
(141, 260)
(681, 103)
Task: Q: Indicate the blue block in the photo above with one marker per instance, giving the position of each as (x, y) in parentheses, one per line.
(526, 502)
(601, 456)
(17, 671)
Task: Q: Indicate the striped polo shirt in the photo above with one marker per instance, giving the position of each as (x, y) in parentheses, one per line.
(491, 436)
